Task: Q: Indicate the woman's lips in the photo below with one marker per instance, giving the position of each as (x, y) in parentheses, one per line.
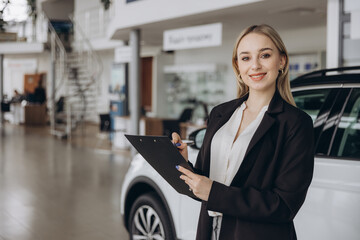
(257, 77)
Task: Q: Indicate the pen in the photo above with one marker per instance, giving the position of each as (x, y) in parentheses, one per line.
(188, 142)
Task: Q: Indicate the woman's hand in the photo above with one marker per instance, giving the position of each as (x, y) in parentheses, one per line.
(182, 147)
(199, 185)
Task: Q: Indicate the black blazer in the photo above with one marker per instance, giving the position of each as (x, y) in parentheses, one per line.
(271, 183)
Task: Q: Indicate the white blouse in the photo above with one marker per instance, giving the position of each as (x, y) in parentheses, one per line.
(226, 155)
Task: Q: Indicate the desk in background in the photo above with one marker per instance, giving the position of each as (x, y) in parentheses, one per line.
(35, 114)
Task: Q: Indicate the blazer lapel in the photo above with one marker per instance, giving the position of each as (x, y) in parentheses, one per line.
(264, 126)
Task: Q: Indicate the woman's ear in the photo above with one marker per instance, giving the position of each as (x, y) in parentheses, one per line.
(282, 61)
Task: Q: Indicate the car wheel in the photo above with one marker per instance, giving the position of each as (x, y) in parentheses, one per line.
(149, 220)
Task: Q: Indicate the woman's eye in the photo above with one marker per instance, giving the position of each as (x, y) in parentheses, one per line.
(266, 55)
(245, 58)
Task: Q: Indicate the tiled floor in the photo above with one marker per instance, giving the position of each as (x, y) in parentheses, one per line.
(51, 189)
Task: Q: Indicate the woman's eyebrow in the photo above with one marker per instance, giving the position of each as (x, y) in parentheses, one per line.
(264, 49)
(261, 50)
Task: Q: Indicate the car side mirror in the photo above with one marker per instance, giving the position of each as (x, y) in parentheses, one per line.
(198, 138)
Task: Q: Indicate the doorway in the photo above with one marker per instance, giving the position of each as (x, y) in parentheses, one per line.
(146, 84)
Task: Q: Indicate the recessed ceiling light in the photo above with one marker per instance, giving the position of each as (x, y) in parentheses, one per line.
(299, 10)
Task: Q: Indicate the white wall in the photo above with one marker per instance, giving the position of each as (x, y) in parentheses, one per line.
(83, 5)
(305, 40)
(58, 10)
(93, 21)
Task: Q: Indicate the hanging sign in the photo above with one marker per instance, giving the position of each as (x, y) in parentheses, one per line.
(122, 54)
(193, 37)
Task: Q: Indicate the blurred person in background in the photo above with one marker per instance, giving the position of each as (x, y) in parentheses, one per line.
(40, 93)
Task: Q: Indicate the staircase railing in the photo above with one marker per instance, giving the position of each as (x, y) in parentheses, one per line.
(58, 68)
(87, 53)
(84, 52)
(60, 56)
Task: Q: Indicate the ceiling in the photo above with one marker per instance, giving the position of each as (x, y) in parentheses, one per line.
(281, 14)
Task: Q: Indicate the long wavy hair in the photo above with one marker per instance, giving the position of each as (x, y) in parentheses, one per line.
(282, 82)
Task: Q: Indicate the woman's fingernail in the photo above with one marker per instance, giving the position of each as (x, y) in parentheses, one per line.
(178, 144)
(177, 167)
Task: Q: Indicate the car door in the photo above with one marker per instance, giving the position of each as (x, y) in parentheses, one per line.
(331, 210)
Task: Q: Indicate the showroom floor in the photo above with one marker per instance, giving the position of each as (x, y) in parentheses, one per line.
(51, 189)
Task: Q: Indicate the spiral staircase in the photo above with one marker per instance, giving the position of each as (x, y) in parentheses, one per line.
(75, 75)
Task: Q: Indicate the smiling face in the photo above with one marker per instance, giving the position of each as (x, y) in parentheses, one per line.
(259, 62)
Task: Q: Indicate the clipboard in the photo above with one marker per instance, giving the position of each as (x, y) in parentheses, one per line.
(163, 156)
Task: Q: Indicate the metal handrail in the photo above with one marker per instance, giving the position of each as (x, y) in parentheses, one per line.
(59, 68)
(63, 55)
(91, 53)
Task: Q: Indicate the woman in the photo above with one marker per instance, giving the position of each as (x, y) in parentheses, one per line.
(256, 163)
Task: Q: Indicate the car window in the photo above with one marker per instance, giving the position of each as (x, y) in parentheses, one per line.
(318, 103)
(311, 101)
(324, 134)
(347, 138)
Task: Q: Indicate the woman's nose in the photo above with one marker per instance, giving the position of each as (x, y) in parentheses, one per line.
(255, 64)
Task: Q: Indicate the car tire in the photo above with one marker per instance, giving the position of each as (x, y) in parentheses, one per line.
(148, 218)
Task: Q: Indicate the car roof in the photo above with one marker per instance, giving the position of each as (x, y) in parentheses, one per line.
(328, 76)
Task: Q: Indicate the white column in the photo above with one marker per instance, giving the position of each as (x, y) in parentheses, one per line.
(134, 81)
(53, 81)
(1, 87)
(333, 34)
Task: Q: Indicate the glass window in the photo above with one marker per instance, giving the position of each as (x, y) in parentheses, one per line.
(347, 139)
(351, 5)
(311, 101)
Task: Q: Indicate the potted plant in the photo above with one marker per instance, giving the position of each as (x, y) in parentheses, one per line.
(5, 36)
(2, 22)
(106, 4)
(33, 14)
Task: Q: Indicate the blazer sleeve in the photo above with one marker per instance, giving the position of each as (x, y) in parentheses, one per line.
(284, 199)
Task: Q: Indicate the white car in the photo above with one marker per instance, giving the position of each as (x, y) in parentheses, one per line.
(152, 209)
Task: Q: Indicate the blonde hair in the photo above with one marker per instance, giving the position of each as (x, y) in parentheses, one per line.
(283, 83)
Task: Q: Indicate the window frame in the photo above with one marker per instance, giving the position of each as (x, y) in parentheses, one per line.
(337, 126)
(335, 89)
